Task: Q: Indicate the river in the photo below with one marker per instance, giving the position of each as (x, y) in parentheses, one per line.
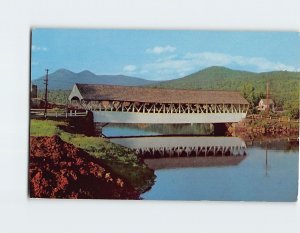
(192, 164)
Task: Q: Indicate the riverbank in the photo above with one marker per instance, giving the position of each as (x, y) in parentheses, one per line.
(257, 128)
(60, 170)
(115, 159)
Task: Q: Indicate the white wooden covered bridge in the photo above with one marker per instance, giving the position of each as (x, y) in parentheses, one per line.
(123, 104)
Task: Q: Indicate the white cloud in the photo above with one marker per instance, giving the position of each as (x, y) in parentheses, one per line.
(36, 48)
(174, 66)
(129, 68)
(260, 64)
(167, 69)
(161, 49)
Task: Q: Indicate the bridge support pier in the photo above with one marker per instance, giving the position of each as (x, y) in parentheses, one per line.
(98, 127)
(84, 125)
(220, 129)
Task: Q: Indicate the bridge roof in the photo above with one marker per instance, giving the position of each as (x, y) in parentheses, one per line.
(155, 95)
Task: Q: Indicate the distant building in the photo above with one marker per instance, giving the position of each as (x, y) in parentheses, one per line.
(33, 91)
(264, 103)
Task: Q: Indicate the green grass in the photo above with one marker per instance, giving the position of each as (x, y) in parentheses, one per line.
(120, 159)
(44, 128)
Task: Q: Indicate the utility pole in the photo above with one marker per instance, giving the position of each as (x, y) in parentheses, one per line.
(46, 92)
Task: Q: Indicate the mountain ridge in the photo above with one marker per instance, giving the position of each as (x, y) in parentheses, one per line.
(218, 78)
(64, 79)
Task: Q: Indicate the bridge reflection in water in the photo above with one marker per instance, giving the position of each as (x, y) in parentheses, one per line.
(162, 152)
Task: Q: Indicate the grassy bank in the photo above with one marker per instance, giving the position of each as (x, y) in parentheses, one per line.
(121, 160)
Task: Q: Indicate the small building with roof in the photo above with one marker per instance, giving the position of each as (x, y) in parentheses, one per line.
(266, 103)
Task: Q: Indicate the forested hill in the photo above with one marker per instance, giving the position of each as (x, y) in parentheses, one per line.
(221, 78)
(64, 79)
(284, 85)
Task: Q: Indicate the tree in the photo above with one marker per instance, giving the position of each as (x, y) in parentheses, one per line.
(292, 109)
(249, 94)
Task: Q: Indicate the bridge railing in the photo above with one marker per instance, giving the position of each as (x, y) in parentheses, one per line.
(57, 113)
(136, 107)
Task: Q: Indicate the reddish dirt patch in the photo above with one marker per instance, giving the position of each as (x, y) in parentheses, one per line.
(59, 170)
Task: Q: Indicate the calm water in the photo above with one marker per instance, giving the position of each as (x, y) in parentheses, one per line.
(190, 167)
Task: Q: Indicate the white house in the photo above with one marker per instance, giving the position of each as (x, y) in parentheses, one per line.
(264, 103)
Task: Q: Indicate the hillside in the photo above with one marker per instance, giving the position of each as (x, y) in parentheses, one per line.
(284, 85)
(64, 80)
(221, 78)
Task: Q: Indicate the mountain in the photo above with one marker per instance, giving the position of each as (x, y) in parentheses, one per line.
(222, 78)
(64, 79)
(284, 85)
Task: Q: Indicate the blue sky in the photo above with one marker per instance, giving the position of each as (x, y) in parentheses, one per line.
(161, 54)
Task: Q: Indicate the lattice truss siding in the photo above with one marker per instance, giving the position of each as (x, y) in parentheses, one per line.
(192, 151)
(125, 106)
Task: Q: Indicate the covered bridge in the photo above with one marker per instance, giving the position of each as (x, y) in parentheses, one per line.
(123, 104)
